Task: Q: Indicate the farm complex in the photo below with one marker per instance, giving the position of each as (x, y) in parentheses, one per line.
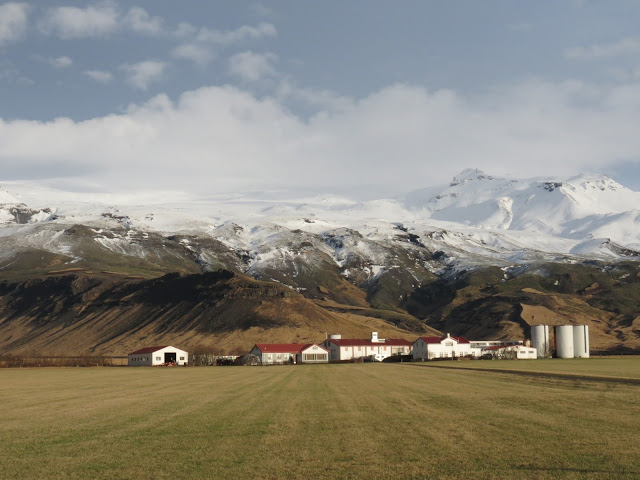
(568, 342)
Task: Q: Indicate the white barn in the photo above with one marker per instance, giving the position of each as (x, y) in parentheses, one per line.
(349, 349)
(160, 355)
(283, 353)
(430, 348)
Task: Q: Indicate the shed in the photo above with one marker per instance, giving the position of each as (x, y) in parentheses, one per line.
(158, 355)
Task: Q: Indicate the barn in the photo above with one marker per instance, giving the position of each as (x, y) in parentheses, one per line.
(159, 355)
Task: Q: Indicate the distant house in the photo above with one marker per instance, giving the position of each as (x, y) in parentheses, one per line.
(430, 348)
(283, 353)
(160, 355)
(521, 352)
(350, 349)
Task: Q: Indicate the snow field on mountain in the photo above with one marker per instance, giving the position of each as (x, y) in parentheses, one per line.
(475, 219)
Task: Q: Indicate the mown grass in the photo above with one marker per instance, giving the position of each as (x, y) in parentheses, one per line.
(616, 367)
(335, 421)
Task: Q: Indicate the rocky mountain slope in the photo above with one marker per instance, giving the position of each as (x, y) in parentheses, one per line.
(479, 257)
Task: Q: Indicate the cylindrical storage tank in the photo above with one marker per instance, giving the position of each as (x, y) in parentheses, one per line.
(581, 341)
(335, 336)
(564, 341)
(540, 340)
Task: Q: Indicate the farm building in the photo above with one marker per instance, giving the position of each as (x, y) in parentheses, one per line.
(282, 353)
(160, 355)
(511, 351)
(348, 349)
(429, 348)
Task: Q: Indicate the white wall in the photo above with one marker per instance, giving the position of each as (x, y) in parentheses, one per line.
(304, 355)
(447, 348)
(151, 359)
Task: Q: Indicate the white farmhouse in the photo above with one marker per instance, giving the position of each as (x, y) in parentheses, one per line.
(350, 349)
(282, 353)
(430, 348)
(154, 356)
(521, 352)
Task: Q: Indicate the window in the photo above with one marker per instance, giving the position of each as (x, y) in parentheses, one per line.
(158, 358)
(181, 358)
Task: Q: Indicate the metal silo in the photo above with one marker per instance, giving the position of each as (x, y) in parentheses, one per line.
(540, 340)
(581, 341)
(564, 341)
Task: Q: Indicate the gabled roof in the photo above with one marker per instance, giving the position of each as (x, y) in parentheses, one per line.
(432, 340)
(309, 345)
(282, 347)
(362, 342)
(148, 350)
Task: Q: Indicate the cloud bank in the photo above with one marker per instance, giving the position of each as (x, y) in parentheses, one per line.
(221, 139)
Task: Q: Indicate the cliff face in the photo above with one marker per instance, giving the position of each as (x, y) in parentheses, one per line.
(110, 314)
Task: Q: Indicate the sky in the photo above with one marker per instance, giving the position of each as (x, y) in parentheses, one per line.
(374, 97)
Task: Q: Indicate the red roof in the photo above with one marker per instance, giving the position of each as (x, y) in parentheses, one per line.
(148, 350)
(361, 342)
(440, 339)
(283, 347)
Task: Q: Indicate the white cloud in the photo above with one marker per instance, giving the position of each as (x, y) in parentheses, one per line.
(220, 139)
(139, 20)
(60, 62)
(626, 46)
(251, 67)
(245, 32)
(13, 22)
(141, 74)
(185, 29)
(196, 53)
(100, 76)
(73, 22)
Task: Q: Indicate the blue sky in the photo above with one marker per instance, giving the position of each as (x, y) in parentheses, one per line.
(333, 95)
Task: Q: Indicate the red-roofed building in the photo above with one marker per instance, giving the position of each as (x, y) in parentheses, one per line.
(349, 349)
(430, 348)
(159, 355)
(282, 353)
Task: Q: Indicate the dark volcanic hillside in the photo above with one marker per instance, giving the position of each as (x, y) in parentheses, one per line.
(81, 312)
(498, 303)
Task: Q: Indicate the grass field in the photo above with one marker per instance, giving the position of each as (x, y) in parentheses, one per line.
(615, 367)
(364, 421)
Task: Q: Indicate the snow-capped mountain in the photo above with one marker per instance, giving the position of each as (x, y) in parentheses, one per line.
(476, 220)
(476, 257)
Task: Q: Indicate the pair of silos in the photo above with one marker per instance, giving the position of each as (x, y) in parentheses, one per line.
(572, 341)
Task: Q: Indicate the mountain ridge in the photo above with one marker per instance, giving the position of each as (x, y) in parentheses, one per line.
(372, 258)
